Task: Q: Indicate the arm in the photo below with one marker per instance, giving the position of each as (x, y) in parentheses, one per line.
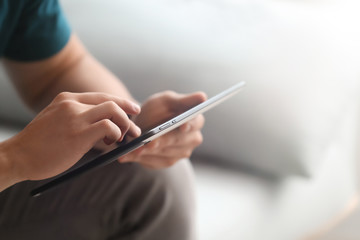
(71, 121)
(73, 69)
(175, 145)
(62, 133)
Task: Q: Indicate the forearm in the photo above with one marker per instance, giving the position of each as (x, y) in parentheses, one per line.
(73, 69)
(85, 75)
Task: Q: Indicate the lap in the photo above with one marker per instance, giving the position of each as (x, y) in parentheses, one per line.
(118, 201)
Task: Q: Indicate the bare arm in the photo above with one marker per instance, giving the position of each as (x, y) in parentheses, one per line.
(73, 69)
(66, 119)
(83, 119)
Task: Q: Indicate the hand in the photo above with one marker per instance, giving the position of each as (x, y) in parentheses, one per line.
(65, 130)
(175, 145)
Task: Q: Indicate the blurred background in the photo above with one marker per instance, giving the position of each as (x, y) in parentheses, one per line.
(280, 160)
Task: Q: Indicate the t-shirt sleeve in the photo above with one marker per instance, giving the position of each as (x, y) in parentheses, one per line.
(42, 31)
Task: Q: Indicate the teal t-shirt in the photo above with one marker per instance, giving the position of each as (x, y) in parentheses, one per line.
(32, 29)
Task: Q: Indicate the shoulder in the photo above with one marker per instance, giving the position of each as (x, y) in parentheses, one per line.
(41, 31)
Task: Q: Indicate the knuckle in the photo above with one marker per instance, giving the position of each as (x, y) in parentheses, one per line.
(112, 106)
(107, 124)
(169, 94)
(63, 96)
(162, 97)
(67, 105)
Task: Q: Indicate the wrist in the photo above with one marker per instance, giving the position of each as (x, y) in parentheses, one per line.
(8, 170)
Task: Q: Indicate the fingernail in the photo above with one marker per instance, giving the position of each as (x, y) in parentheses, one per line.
(138, 130)
(136, 108)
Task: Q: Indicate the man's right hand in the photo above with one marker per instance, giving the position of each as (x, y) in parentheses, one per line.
(64, 131)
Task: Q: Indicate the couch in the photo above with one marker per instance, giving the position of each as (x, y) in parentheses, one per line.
(279, 161)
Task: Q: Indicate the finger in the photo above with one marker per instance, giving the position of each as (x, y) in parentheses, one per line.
(103, 147)
(181, 147)
(110, 110)
(174, 143)
(194, 124)
(132, 156)
(134, 130)
(104, 129)
(173, 152)
(157, 162)
(194, 138)
(184, 102)
(190, 132)
(99, 98)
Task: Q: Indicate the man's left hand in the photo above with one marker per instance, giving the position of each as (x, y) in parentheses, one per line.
(178, 143)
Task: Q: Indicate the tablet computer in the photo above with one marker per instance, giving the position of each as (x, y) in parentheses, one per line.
(145, 138)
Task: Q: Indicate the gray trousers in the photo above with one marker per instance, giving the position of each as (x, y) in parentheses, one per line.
(118, 201)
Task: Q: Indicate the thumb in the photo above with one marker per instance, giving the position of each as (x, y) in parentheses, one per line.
(185, 102)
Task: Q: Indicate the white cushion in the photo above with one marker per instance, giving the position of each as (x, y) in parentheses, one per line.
(12, 109)
(300, 62)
